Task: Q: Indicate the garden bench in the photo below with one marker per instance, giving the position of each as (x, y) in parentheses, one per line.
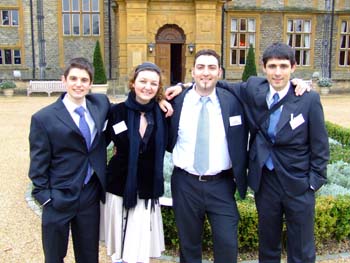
(47, 86)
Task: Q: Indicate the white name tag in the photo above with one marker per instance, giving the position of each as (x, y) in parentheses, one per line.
(119, 127)
(297, 121)
(105, 125)
(235, 120)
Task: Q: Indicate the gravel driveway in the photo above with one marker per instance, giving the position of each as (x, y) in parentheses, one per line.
(20, 234)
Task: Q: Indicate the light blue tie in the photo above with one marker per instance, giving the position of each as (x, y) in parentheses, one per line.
(271, 131)
(85, 131)
(201, 152)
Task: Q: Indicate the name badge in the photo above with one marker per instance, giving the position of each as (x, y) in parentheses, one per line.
(297, 121)
(235, 120)
(119, 127)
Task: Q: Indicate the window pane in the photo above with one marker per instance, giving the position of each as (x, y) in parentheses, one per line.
(14, 17)
(342, 41)
(297, 56)
(243, 26)
(234, 57)
(233, 40)
(242, 57)
(290, 26)
(252, 39)
(348, 41)
(307, 26)
(342, 58)
(348, 58)
(75, 5)
(306, 58)
(5, 18)
(95, 24)
(242, 40)
(251, 25)
(86, 24)
(298, 25)
(234, 25)
(86, 5)
(17, 56)
(65, 5)
(66, 24)
(298, 40)
(0, 56)
(8, 56)
(76, 24)
(307, 41)
(95, 7)
(343, 27)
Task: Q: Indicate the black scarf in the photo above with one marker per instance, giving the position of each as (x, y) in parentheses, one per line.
(134, 109)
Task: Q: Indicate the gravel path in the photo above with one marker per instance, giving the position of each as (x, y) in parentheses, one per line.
(20, 234)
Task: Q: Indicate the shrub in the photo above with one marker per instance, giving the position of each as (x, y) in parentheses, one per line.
(99, 68)
(338, 133)
(7, 85)
(324, 82)
(250, 67)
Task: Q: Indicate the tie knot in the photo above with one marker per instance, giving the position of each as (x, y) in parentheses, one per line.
(276, 97)
(80, 110)
(204, 100)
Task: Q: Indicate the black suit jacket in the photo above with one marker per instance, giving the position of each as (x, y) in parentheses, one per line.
(300, 153)
(58, 153)
(237, 135)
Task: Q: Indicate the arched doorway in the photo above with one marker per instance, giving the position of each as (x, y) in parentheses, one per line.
(170, 53)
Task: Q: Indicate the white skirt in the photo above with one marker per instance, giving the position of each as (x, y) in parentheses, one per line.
(144, 236)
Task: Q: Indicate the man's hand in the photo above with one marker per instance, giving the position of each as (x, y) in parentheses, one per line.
(166, 107)
(172, 92)
(301, 86)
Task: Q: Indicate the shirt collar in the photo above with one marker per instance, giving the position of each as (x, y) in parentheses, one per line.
(282, 93)
(71, 106)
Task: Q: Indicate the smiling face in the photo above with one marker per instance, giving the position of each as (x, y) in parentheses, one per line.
(78, 84)
(146, 86)
(206, 73)
(278, 72)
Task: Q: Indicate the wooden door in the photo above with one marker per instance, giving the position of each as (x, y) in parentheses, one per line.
(163, 56)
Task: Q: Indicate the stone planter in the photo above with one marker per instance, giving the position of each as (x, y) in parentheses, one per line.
(99, 88)
(324, 90)
(8, 92)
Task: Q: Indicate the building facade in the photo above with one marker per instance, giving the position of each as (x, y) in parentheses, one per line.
(38, 37)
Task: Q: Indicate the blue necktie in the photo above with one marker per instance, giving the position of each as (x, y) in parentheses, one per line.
(85, 131)
(271, 131)
(201, 152)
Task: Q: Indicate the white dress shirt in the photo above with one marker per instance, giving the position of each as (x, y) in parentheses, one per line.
(282, 93)
(183, 152)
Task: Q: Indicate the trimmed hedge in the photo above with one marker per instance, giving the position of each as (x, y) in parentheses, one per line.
(338, 133)
(332, 217)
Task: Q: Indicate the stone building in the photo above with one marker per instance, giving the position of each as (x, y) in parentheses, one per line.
(38, 37)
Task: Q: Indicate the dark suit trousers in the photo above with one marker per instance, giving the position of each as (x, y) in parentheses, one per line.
(192, 201)
(273, 207)
(83, 222)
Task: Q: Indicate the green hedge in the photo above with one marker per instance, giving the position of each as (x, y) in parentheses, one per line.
(338, 133)
(332, 217)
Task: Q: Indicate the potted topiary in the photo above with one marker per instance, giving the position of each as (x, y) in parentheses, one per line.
(8, 88)
(100, 80)
(324, 84)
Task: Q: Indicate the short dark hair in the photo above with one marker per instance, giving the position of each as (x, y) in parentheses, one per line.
(280, 51)
(207, 52)
(81, 63)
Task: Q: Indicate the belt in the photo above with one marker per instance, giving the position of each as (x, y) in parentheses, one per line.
(205, 178)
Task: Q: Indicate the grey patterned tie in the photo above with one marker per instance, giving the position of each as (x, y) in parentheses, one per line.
(201, 152)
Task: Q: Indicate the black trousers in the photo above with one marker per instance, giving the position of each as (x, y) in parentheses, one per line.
(274, 206)
(84, 225)
(192, 201)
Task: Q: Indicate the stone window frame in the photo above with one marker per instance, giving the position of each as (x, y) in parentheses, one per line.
(298, 32)
(242, 33)
(81, 18)
(343, 48)
(10, 56)
(11, 19)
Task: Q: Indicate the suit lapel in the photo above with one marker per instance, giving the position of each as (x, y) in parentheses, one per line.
(63, 115)
(225, 109)
(289, 107)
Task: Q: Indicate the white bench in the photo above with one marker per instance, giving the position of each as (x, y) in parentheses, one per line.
(47, 86)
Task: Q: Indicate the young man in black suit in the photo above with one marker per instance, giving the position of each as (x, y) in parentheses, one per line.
(199, 191)
(288, 156)
(67, 166)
